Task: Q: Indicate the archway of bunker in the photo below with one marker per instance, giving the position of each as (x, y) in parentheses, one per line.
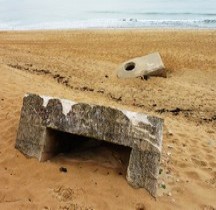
(81, 149)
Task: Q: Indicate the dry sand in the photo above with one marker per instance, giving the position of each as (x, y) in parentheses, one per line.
(80, 65)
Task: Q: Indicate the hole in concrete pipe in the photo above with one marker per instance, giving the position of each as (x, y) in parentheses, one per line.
(130, 66)
(74, 148)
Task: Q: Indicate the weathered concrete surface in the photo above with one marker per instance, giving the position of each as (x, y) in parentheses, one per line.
(149, 65)
(138, 131)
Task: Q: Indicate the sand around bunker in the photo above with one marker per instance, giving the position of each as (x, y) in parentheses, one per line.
(72, 65)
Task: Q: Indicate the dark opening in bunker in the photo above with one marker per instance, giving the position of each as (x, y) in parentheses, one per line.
(81, 148)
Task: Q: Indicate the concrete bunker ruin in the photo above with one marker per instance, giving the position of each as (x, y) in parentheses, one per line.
(44, 118)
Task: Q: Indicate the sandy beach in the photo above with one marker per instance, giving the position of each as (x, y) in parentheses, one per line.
(81, 66)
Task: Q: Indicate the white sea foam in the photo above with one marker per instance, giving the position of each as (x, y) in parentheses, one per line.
(112, 23)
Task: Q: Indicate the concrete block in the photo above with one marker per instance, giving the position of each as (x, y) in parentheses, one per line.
(149, 65)
(142, 133)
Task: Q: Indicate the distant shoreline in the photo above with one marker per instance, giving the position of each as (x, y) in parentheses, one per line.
(113, 23)
(104, 29)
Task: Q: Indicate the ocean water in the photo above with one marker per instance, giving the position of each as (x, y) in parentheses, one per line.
(73, 14)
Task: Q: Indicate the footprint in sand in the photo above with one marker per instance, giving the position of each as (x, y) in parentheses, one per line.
(198, 162)
(63, 194)
(193, 175)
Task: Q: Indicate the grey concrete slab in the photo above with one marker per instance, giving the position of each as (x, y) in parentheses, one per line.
(140, 132)
(149, 65)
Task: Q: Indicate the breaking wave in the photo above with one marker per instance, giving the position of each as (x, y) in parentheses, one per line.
(113, 23)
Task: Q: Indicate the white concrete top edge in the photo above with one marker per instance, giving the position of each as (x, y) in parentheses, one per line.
(136, 117)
